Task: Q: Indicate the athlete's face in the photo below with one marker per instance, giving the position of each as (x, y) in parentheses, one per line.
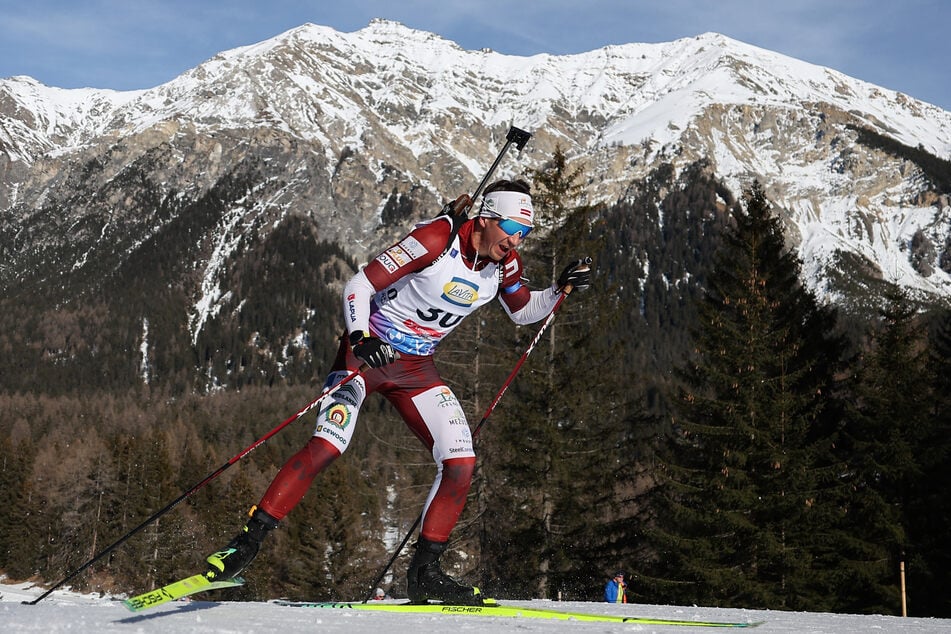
(495, 242)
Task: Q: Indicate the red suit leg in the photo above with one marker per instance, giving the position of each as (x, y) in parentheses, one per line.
(292, 481)
(448, 498)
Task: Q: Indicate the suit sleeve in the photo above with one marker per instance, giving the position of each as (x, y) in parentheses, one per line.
(522, 305)
(413, 253)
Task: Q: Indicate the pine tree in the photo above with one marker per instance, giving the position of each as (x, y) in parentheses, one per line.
(888, 419)
(18, 525)
(929, 558)
(741, 472)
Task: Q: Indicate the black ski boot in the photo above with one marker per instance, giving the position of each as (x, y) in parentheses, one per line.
(426, 580)
(241, 550)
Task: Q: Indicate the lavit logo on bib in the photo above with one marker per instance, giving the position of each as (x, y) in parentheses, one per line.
(460, 292)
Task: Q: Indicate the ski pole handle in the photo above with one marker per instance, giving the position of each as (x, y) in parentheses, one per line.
(582, 266)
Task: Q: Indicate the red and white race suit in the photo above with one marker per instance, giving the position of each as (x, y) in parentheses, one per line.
(412, 295)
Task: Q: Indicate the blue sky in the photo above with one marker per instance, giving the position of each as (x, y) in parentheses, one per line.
(132, 44)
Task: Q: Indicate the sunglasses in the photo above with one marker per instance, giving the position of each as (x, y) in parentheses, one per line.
(512, 227)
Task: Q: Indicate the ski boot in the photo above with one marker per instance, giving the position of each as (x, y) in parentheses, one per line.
(426, 580)
(241, 550)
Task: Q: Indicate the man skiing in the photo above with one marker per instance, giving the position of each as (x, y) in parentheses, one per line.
(397, 309)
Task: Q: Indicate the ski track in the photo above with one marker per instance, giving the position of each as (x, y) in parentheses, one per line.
(65, 611)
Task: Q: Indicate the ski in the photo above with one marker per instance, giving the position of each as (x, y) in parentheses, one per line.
(177, 590)
(502, 611)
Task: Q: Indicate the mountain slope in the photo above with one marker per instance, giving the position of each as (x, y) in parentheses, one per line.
(363, 133)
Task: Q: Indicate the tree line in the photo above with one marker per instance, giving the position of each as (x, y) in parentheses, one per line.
(696, 418)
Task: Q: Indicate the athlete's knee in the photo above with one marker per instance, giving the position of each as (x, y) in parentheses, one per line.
(319, 454)
(458, 470)
(311, 459)
(292, 481)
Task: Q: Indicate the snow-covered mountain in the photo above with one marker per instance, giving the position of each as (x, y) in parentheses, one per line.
(357, 129)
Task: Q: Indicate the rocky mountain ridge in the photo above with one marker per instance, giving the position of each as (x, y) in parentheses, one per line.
(366, 132)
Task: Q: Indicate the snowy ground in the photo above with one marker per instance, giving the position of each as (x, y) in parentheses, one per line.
(68, 612)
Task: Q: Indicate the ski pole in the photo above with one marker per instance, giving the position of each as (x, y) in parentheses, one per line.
(211, 476)
(488, 412)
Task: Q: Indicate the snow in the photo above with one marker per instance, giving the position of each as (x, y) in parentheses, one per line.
(65, 611)
(399, 85)
(642, 89)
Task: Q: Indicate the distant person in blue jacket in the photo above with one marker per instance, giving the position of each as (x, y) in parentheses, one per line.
(614, 590)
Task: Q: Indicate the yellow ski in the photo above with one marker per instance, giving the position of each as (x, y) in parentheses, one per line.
(177, 590)
(497, 610)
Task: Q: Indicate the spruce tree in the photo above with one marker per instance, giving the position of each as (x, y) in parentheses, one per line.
(929, 558)
(887, 423)
(741, 472)
(18, 523)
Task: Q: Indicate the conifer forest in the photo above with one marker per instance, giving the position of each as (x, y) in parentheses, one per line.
(697, 418)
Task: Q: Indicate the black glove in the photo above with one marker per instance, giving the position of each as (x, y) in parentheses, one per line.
(578, 274)
(371, 350)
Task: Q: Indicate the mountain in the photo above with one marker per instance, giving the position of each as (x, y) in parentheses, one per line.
(170, 200)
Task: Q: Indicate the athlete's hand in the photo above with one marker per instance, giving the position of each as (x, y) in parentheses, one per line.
(577, 274)
(371, 350)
